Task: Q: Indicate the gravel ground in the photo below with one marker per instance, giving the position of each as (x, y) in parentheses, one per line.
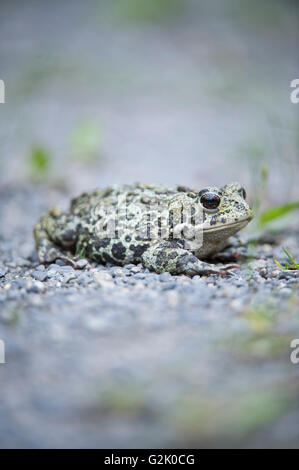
(121, 357)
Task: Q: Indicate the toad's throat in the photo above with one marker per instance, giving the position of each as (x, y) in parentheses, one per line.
(190, 231)
(239, 223)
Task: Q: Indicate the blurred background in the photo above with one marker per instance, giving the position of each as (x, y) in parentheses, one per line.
(172, 91)
(182, 92)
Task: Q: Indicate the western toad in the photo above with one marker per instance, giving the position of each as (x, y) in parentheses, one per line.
(166, 229)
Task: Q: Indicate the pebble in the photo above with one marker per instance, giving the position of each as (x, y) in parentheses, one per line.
(83, 279)
(103, 279)
(287, 274)
(286, 291)
(169, 285)
(102, 276)
(164, 277)
(13, 294)
(35, 287)
(23, 262)
(127, 272)
(40, 275)
(54, 267)
(275, 272)
(139, 276)
(3, 271)
(258, 264)
(68, 276)
(40, 267)
(60, 262)
(135, 269)
(117, 272)
(82, 263)
(52, 273)
(66, 268)
(20, 282)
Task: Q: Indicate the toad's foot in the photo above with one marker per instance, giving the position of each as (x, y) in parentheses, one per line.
(53, 235)
(48, 253)
(171, 257)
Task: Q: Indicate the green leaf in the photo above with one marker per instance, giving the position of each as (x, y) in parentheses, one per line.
(86, 141)
(149, 10)
(276, 212)
(39, 163)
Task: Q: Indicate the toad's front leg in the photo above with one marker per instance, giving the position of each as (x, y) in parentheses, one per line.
(169, 256)
(54, 234)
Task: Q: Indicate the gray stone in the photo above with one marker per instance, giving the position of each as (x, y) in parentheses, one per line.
(35, 287)
(286, 291)
(129, 266)
(169, 285)
(60, 262)
(3, 271)
(164, 277)
(40, 275)
(82, 263)
(40, 267)
(83, 279)
(139, 275)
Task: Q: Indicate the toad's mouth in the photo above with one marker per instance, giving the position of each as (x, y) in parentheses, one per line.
(241, 223)
(190, 231)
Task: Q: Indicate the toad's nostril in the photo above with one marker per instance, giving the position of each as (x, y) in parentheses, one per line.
(242, 192)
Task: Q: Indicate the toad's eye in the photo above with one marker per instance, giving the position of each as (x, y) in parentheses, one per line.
(243, 193)
(210, 201)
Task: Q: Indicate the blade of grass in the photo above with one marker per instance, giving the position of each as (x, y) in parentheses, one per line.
(276, 212)
(293, 266)
(290, 258)
(278, 264)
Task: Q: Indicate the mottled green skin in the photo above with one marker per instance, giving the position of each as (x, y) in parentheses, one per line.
(160, 243)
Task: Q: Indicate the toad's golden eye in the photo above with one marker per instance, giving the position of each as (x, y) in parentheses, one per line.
(210, 201)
